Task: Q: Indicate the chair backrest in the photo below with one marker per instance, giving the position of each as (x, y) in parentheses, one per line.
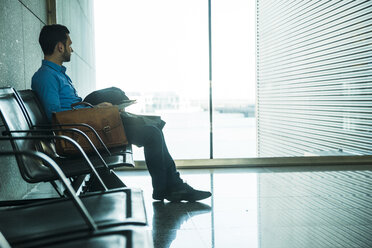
(34, 110)
(14, 119)
(36, 117)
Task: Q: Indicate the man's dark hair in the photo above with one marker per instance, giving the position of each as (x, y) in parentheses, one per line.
(50, 35)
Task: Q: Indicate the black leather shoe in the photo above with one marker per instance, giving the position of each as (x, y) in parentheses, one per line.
(158, 196)
(184, 192)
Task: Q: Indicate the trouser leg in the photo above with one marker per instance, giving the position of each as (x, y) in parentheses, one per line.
(159, 162)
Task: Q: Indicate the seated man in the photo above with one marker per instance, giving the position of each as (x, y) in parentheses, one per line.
(57, 93)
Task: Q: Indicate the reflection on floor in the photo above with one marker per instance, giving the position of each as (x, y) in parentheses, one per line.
(266, 208)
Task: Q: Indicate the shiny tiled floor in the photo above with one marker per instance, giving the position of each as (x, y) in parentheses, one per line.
(267, 208)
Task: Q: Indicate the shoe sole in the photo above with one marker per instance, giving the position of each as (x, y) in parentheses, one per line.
(179, 199)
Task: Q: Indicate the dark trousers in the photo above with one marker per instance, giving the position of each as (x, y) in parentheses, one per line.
(158, 160)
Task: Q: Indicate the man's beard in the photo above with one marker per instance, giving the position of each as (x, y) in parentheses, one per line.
(66, 56)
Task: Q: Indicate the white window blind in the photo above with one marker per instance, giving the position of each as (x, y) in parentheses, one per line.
(314, 76)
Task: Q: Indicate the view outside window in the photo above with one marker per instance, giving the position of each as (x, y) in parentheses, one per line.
(157, 52)
(233, 77)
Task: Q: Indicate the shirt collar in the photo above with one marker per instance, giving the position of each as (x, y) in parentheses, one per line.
(54, 66)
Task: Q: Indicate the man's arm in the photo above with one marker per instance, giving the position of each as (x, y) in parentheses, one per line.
(47, 88)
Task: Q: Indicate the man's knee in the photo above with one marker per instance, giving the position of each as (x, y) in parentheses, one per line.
(153, 135)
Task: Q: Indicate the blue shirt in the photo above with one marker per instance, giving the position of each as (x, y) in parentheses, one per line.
(54, 88)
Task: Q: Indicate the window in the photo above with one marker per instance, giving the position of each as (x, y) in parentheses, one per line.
(233, 78)
(158, 53)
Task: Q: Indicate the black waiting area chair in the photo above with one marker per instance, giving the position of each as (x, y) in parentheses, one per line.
(113, 157)
(17, 117)
(114, 218)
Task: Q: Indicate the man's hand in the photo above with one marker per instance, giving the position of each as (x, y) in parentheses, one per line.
(104, 104)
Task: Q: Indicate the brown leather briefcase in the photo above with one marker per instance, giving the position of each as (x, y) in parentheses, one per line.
(105, 120)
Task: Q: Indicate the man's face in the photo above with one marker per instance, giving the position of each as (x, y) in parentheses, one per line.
(66, 55)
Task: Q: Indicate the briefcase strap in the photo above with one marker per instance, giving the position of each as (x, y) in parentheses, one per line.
(81, 103)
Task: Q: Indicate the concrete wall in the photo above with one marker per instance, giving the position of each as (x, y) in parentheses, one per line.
(78, 17)
(21, 55)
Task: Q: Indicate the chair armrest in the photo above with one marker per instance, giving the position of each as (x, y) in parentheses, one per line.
(54, 166)
(75, 130)
(20, 101)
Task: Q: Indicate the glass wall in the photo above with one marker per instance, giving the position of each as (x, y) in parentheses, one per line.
(158, 53)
